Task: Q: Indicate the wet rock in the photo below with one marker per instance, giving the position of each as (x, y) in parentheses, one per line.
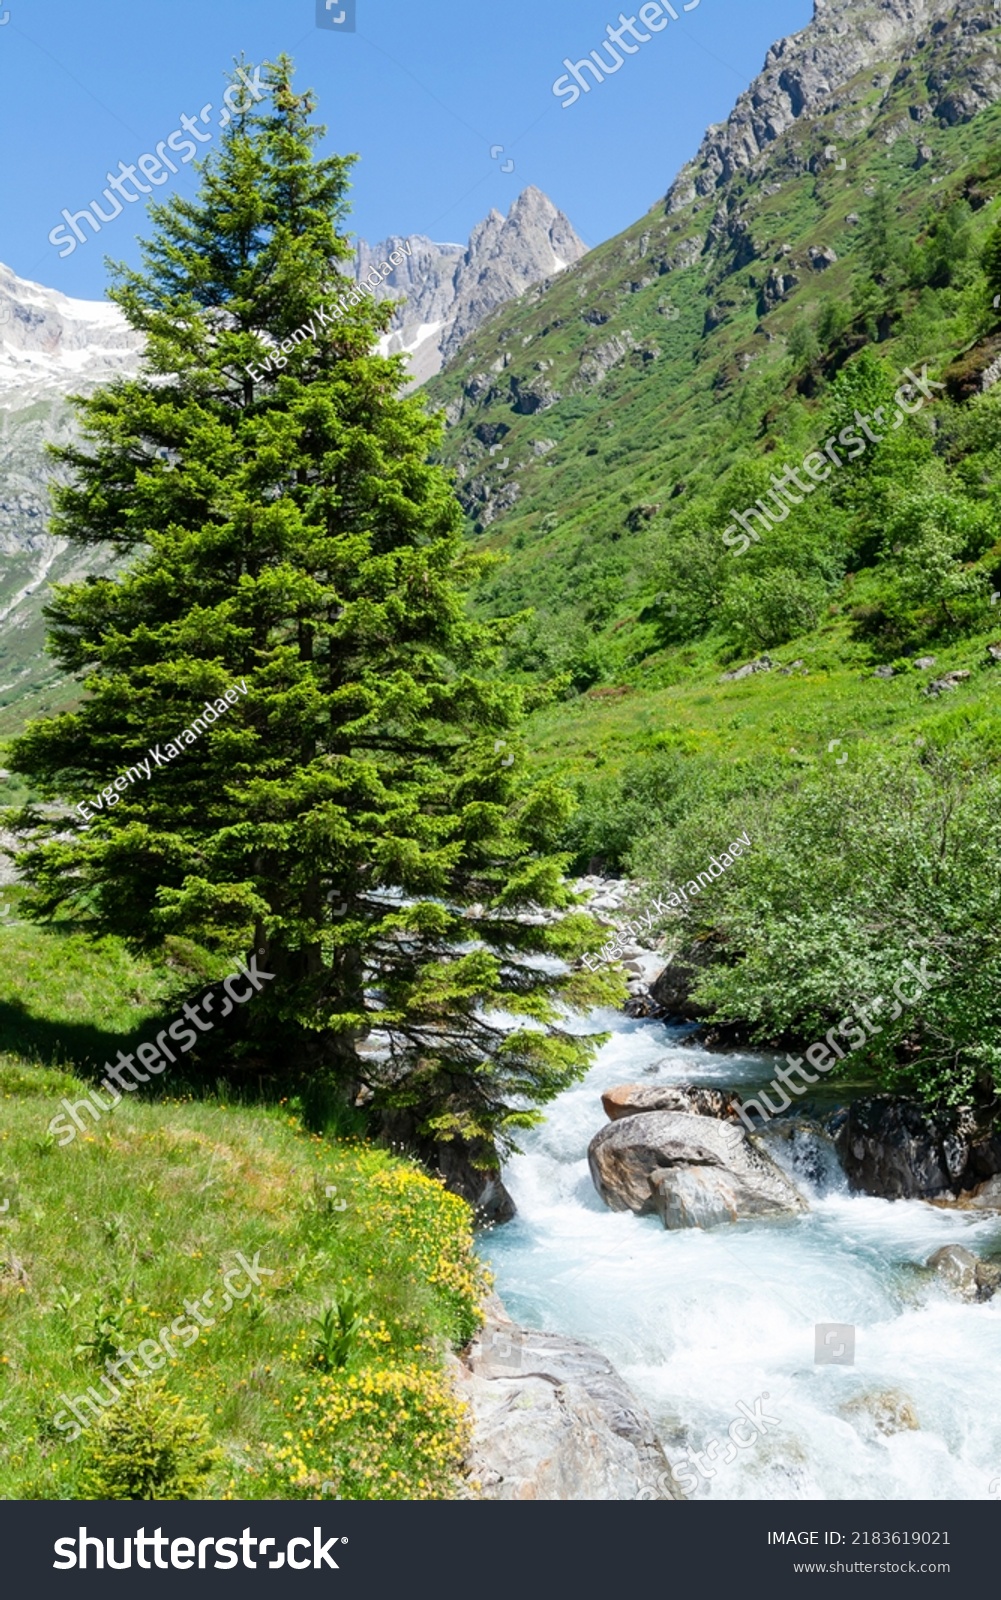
(881, 1413)
(632, 1099)
(553, 1420)
(897, 1150)
(986, 1196)
(964, 1273)
(671, 990)
(705, 1197)
(663, 1162)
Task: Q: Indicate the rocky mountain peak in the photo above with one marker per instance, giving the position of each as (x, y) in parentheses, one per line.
(850, 48)
(451, 288)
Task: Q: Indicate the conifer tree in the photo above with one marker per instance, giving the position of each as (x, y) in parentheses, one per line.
(359, 820)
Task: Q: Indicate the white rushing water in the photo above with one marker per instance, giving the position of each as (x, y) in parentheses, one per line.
(697, 1321)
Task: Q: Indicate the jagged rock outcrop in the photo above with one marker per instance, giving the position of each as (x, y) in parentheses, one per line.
(691, 1171)
(452, 288)
(895, 1149)
(828, 69)
(552, 1420)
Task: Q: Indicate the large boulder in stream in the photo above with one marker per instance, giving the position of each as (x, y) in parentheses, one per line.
(552, 1420)
(964, 1274)
(691, 1171)
(671, 990)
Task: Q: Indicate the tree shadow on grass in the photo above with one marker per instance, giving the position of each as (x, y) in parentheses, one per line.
(86, 1051)
(73, 1046)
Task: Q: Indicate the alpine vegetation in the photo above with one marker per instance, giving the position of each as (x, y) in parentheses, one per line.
(826, 1053)
(676, 901)
(212, 712)
(819, 469)
(149, 1350)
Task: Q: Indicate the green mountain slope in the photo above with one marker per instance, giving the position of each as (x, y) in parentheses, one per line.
(599, 426)
(617, 435)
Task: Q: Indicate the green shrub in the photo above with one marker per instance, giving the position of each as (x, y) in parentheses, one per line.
(151, 1448)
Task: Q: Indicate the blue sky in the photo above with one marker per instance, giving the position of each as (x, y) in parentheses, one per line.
(421, 91)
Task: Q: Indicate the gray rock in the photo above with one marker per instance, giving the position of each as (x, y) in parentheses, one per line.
(820, 70)
(994, 651)
(778, 286)
(762, 664)
(986, 1196)
(705, 1197)
(951, 680)
(553, 1420)
(881, 1413)
(883, 672)
(645, 1164)
(924, 663)
(451, 289)
(964, 1273)
(671, 989)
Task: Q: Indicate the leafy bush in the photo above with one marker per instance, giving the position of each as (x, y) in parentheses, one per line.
(850, 875)
(761, 612)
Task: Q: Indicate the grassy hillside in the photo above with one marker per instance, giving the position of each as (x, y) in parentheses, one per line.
(609, 433)
(324, 1380)
(604, 427)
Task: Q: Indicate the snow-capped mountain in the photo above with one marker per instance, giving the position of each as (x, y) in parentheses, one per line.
(49, 342)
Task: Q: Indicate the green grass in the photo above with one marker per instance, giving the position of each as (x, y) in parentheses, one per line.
(69, 1000)
(148, 1208)
(147, 1212)
(792, 718)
